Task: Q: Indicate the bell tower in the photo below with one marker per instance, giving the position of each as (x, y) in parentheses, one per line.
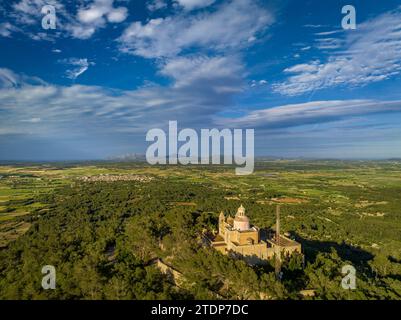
(222, 220)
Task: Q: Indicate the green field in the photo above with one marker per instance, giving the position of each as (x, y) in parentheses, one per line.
(342, 212)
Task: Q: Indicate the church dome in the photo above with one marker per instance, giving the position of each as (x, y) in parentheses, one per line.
(241, 210)
(241, 221)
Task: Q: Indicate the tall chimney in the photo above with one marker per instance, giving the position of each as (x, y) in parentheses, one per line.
(277, 224)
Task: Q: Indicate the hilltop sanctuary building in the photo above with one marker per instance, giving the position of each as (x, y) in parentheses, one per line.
(236, 235)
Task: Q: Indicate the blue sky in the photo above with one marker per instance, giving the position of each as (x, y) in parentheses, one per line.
(112, 70)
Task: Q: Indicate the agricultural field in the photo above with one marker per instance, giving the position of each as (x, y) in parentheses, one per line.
(82, 216)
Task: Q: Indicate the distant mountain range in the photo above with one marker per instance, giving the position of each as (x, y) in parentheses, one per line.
(128, 157)
(141, 158)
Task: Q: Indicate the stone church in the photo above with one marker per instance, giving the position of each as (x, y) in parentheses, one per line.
(239, 237)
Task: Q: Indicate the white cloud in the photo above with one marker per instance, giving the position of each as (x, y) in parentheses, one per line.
(29, 11)
(220, 73)
(194, 4)
(77, 113)
(315, 112)
(303, 67)
(10, 79)
(81, 31)
(255, 83)
(117, 15)
(329, 43)
(326, 33)
(80, 66)
(217, 37)
(95, 16)
(91, 15)
(6, 29)
(371, 53)
(229, 27)
(47, 109)
(79, 109)
(88, 19)
(98, 10)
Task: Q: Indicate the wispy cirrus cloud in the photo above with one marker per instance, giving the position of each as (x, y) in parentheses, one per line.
(62, 108)
(190, 54)
(194, 4)
(314, 112)
(234, 25)
(222, 74)
(78, 109)
(371, 53)
(6, 29)
(79, 66)
(10, 79)
(76, 113)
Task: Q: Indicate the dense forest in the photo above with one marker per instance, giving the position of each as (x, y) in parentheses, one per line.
(104, 238)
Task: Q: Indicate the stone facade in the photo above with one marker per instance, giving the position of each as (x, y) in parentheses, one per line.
(238, 237)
